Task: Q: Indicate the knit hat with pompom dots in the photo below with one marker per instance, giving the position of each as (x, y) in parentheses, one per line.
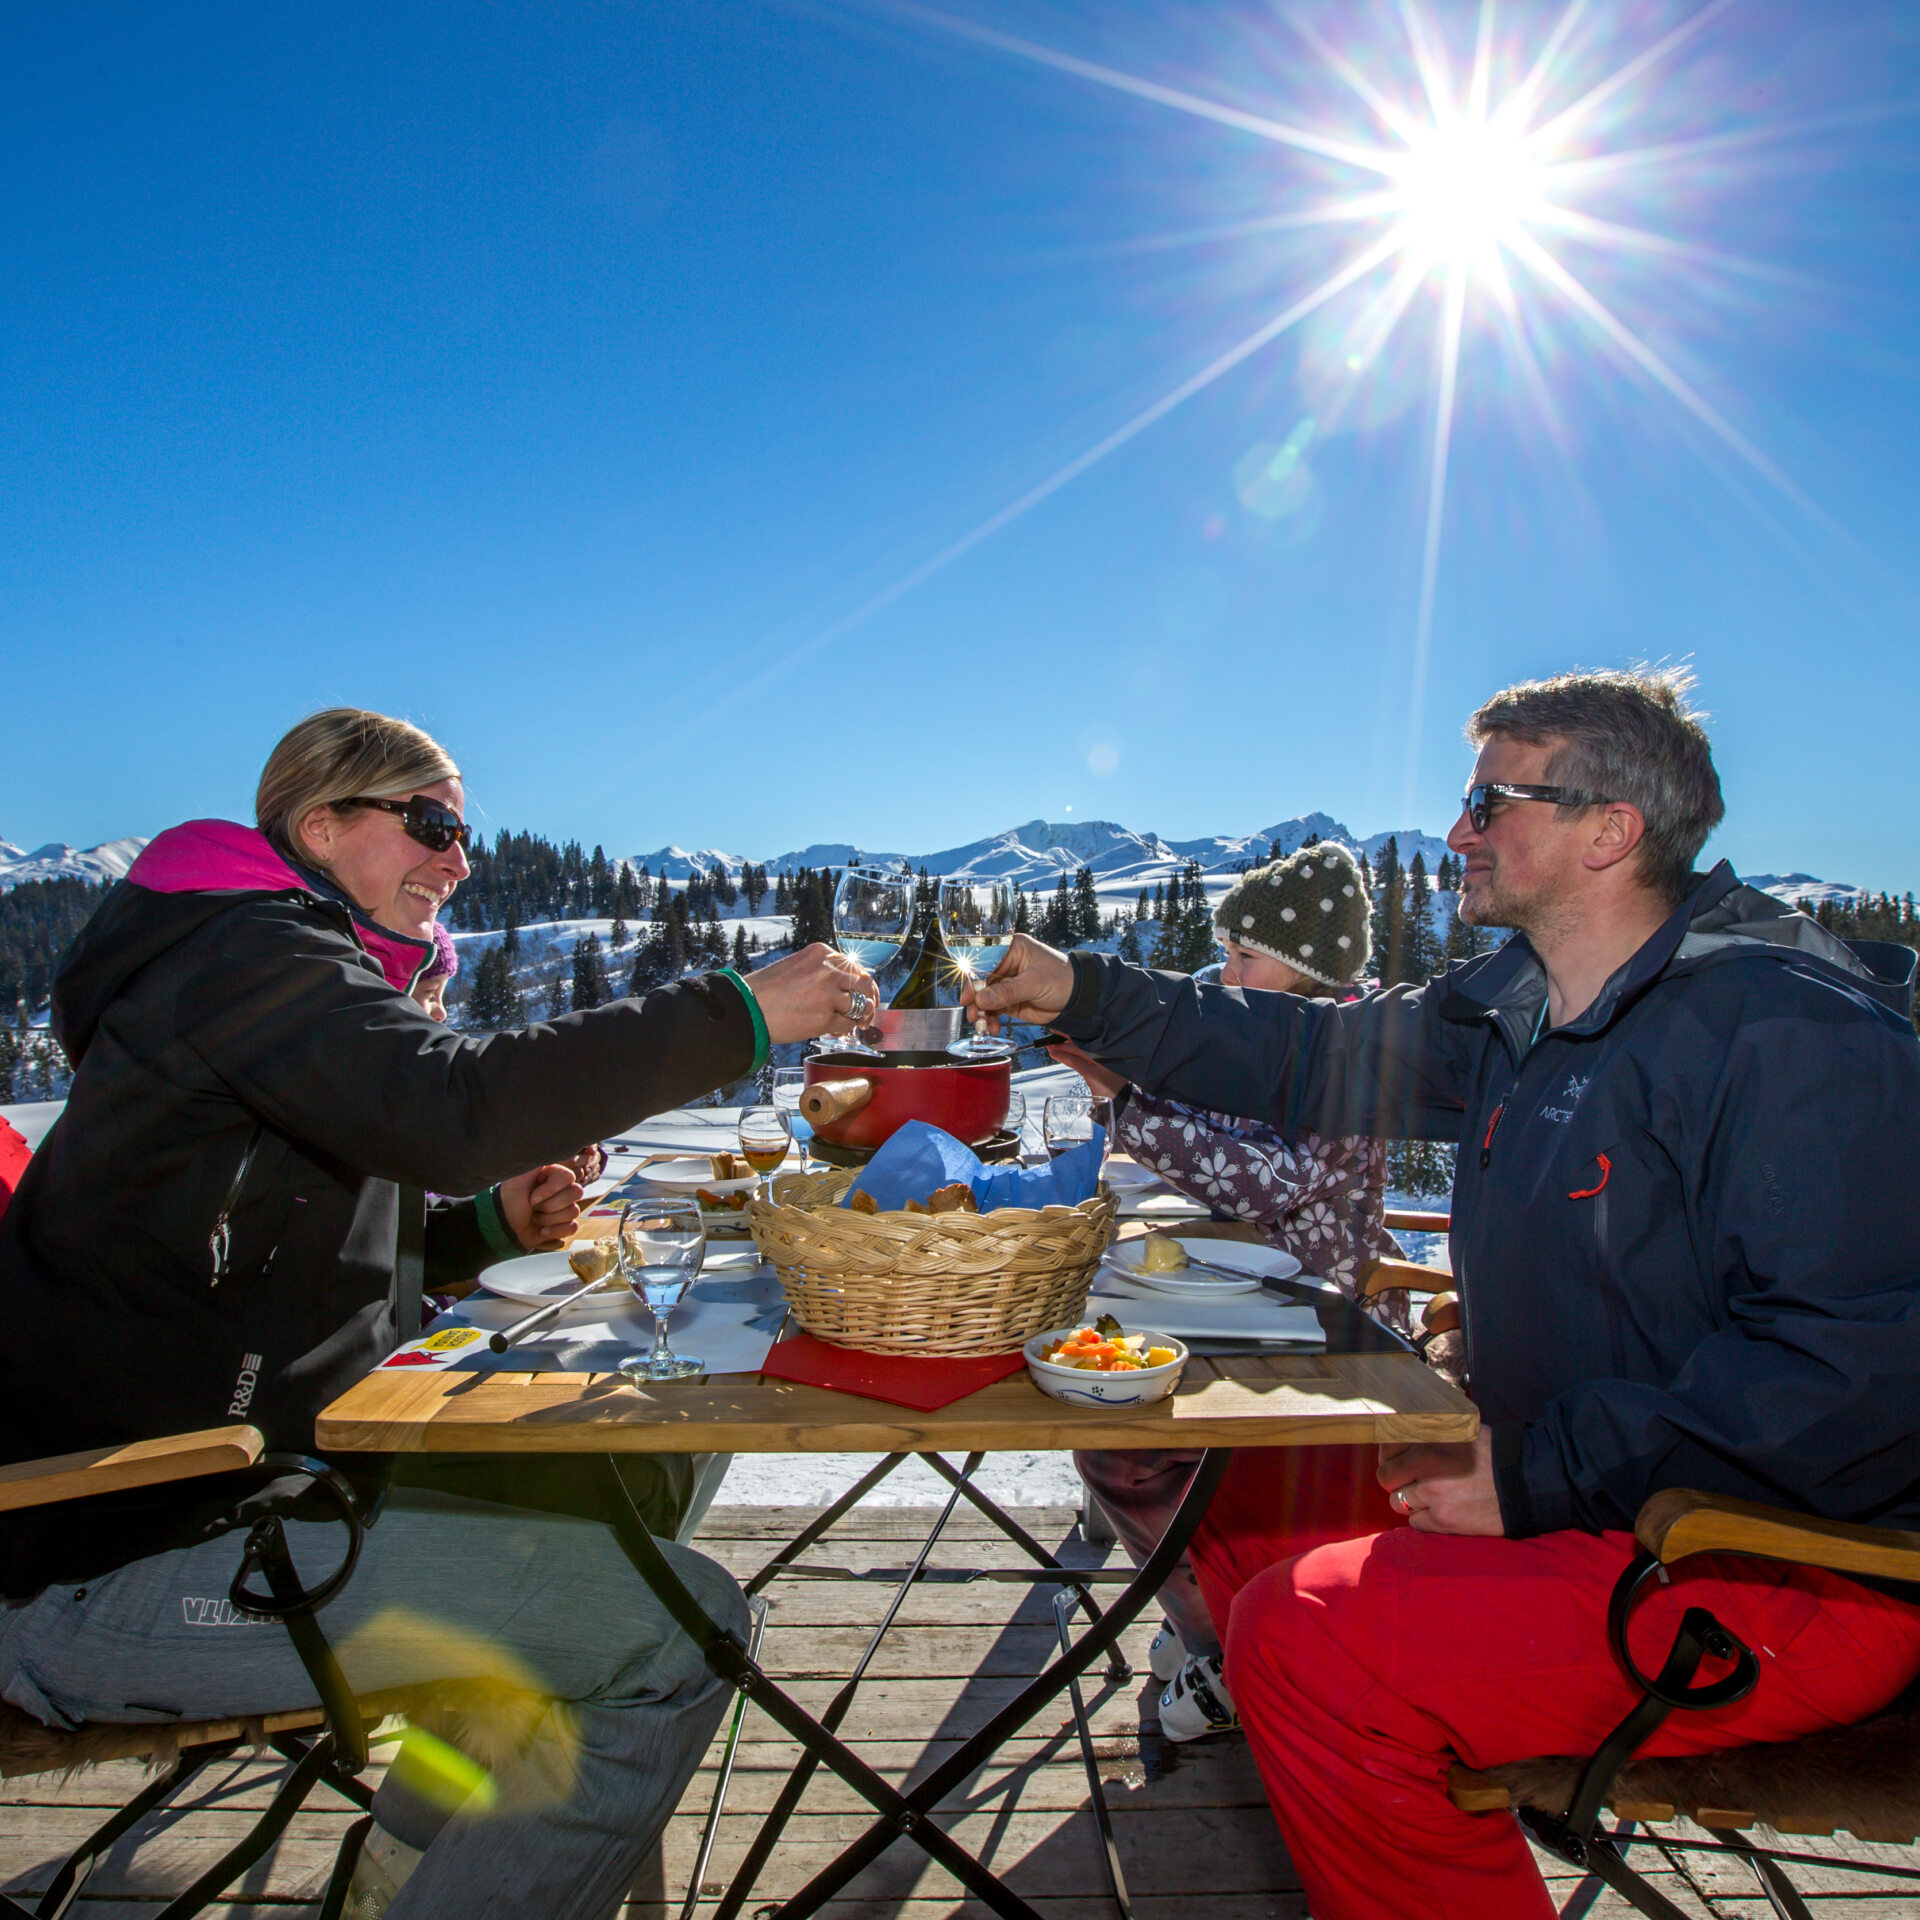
(1309, 910)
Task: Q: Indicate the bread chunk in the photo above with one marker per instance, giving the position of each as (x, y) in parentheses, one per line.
(1160, 1253)
(956, 1198)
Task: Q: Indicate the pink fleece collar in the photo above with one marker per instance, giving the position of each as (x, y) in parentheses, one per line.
(221, 856)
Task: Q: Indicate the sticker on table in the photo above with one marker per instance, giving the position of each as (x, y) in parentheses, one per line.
(436, 1349)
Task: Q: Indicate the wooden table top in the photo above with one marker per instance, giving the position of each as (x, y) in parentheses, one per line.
(1280, 1400)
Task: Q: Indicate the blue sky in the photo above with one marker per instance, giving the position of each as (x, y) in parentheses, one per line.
(576, 380)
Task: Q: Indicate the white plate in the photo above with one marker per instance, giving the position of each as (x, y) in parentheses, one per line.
(539, 1280)
(1126, 1176)
(690, 1174)
(1256, 1263)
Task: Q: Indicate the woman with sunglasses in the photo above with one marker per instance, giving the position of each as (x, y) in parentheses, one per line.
(228, 1222)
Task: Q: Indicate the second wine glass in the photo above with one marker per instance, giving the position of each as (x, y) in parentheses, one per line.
(976, 921)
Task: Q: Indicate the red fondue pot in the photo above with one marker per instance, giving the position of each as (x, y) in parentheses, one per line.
(862, 1099)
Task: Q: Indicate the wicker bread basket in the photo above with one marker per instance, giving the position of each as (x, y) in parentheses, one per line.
(940, 1284)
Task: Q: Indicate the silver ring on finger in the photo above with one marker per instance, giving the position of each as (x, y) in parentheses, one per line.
(1401, 1501)
(859, 1005)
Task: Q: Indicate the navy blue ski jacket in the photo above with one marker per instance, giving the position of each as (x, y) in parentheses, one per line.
(1686, 1225)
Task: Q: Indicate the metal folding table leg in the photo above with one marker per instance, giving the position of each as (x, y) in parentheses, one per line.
(1103, 1817)
(907, 1814)
(757, 1610)
(772, 1827)
(1118, 1669)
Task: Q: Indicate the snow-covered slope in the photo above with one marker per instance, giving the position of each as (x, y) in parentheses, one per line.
(1795, 887)
(58, 861)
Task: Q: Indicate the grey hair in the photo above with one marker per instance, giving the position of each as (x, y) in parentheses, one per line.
(1624, 734)
(344, 754)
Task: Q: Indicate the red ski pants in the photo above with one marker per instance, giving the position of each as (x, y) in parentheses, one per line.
(1365, 1657)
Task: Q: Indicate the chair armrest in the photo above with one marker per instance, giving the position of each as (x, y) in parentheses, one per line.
(1388, 1274)
(1677, 1522)
(1441, 1314)
(141, 1463)
(1415, 1221)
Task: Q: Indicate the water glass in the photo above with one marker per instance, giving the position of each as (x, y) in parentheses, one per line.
(1067, 1121)
(789, 1083)
(660, 1245)
(1017, 1125)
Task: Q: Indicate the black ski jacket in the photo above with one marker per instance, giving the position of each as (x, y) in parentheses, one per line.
(240, 1056)
(1686, 1225)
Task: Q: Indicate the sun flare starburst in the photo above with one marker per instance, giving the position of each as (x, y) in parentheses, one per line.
(1453, 199)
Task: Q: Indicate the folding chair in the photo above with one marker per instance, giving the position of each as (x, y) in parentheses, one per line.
(325, 1743)
(1863, 1779)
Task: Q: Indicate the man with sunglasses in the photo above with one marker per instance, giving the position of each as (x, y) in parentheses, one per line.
(1686, 1236)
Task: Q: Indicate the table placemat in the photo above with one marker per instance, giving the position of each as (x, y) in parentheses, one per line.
(728, 1319)
(899, 1379)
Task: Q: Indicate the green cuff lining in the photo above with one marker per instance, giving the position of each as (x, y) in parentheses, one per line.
(493, 1225)
(762, 1045)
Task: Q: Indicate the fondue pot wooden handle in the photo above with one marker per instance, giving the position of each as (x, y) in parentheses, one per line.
(826, 1101)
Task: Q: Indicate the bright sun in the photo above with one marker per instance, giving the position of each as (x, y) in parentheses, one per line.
(1467, 188)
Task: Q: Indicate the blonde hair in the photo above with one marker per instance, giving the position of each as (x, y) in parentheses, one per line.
(344, 754)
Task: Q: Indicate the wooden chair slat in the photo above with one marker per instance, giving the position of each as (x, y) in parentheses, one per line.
(1679, 1522)
(141, 1463)
(1388, 1274)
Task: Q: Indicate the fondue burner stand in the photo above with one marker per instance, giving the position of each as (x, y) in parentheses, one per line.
(998, 1149)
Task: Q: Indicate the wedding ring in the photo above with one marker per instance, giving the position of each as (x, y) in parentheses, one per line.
(1400, 1500)
(858, 1004)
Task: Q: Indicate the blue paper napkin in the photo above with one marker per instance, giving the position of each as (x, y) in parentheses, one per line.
(920, 1158)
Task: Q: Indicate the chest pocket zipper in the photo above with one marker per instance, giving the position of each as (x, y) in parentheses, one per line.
(219, 1241)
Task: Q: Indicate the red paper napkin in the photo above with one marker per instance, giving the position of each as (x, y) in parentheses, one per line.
(902, 1380)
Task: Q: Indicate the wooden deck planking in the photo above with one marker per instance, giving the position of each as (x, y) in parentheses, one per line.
(1191, 1821)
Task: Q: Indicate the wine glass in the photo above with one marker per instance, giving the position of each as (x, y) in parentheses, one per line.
(872, 917)
(660, 1244)
(1066, 1122)
(789, 1083)
(765, 1135)
(976, 921)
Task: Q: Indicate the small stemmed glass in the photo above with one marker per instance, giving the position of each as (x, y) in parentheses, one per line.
(765, 1135)
(660, 1244)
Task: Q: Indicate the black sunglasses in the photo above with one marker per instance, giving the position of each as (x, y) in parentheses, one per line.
(1478, 801)
(436, 827)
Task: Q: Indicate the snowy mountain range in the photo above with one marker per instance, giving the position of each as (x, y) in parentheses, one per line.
(1035, 854)
(58, 861)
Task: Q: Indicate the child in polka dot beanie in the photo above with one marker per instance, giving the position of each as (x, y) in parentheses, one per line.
(1309, 910)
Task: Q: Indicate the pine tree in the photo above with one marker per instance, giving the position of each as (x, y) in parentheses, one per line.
(713, 943)
(1130, 943)
(1389, 914)
(1420, 949)
(617, 934)
(1022, 911)
(590, 988)
(556, 995)
(1159, 904)
(1086, 906)
(740, 962)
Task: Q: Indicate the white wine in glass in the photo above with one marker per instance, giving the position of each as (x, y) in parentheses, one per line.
(976, 920)
(765, 1135)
